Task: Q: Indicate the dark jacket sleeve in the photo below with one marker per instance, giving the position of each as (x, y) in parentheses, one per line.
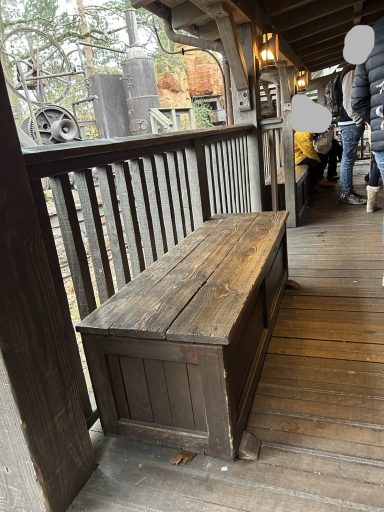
(361, 96)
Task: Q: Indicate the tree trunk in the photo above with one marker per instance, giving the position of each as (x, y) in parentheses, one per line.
(84, 29)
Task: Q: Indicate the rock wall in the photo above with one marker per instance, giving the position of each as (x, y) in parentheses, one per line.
(201, 77)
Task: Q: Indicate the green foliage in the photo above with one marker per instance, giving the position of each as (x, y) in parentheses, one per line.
(203, 115)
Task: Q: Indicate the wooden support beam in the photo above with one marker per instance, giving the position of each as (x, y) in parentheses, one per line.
(229, 39)
(358, 10)
(286, 79)
(46, 453)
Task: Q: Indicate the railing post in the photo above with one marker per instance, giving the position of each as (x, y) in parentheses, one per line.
(256, 172)
(288, 147)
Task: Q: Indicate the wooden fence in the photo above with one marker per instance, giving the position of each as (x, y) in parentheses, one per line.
(153, 192)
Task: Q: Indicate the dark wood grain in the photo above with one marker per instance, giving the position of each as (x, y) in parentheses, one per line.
(179, 395)
(73, 243)
(114, 225)
(54, 265)
(214, 311)
(166, 299)
(130, 217)
(95, 235)
(103, 318)
(46, 454)
(136, 388)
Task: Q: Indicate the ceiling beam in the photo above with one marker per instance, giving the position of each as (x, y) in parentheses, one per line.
(337, 56)
(183, 14)
(311, 13)
(323, 46)
(334, 20)
(326, 62)
(277, 7)
(323, 36)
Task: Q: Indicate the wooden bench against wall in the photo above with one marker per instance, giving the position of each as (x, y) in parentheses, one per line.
(302, 189)
(176, 354)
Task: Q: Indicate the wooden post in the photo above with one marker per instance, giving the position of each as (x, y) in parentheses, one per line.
(247, 38)
(46, 453)
(288, 144)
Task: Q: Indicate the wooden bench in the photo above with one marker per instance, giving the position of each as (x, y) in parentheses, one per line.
(302, 188)
(176, 354)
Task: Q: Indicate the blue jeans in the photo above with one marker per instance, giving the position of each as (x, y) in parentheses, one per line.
(351, 135)
(379, 157)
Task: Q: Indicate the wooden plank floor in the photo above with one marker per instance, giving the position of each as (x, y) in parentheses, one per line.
(319, 406)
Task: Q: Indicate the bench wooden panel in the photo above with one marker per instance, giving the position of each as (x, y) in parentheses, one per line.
(302, 188)
(175, 355)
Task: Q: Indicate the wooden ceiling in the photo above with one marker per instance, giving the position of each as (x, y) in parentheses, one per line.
(312, 31)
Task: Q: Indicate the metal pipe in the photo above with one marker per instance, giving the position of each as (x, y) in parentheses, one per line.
(133, 33)
(101, 47)
(54, 75)
(203, 44)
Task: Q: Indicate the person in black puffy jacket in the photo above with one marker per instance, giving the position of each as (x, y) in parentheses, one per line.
(368, 93)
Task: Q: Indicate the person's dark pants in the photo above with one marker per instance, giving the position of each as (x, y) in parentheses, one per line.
(335, 154)
(374, 174)
(315, 170)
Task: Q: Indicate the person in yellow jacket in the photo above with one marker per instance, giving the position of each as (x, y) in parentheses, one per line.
(305, 154)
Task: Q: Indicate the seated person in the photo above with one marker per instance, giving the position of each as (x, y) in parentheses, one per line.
(305, 154)
(329, 151)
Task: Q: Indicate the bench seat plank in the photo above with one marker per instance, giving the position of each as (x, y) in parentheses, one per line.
(163, 303)
(215, 310)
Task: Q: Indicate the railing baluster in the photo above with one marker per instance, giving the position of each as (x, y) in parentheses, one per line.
(228, 150)
(54, 264)
(215, 180)
(95, 235)
(168, 213)
(185, 190)
(143, 210)
(73, 243)
(225, 167)
(246, 172)
(240, 174)
(220, 173)
(274, 184)
(235, 175)
(177, 198)
(114, 226)
(211, 187)
(196, 196)
(130, 219)
(152, 181)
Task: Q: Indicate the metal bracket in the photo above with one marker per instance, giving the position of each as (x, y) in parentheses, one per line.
(287, 107)
(243, 100)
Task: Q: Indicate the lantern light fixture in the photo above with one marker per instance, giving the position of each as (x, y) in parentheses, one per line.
(269, 50)
(302, 81)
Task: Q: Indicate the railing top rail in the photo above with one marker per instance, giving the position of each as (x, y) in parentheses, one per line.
(43, 161)
(269, 124)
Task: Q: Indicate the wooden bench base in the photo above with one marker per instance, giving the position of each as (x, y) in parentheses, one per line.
(191, 386)
(302, 189)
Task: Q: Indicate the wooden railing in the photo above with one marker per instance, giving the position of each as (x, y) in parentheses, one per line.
(138, 197)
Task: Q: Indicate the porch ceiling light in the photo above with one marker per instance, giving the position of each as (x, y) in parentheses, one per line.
(302, 81)
(269, 50)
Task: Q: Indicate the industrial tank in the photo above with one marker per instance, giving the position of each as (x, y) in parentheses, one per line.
(139, 78)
